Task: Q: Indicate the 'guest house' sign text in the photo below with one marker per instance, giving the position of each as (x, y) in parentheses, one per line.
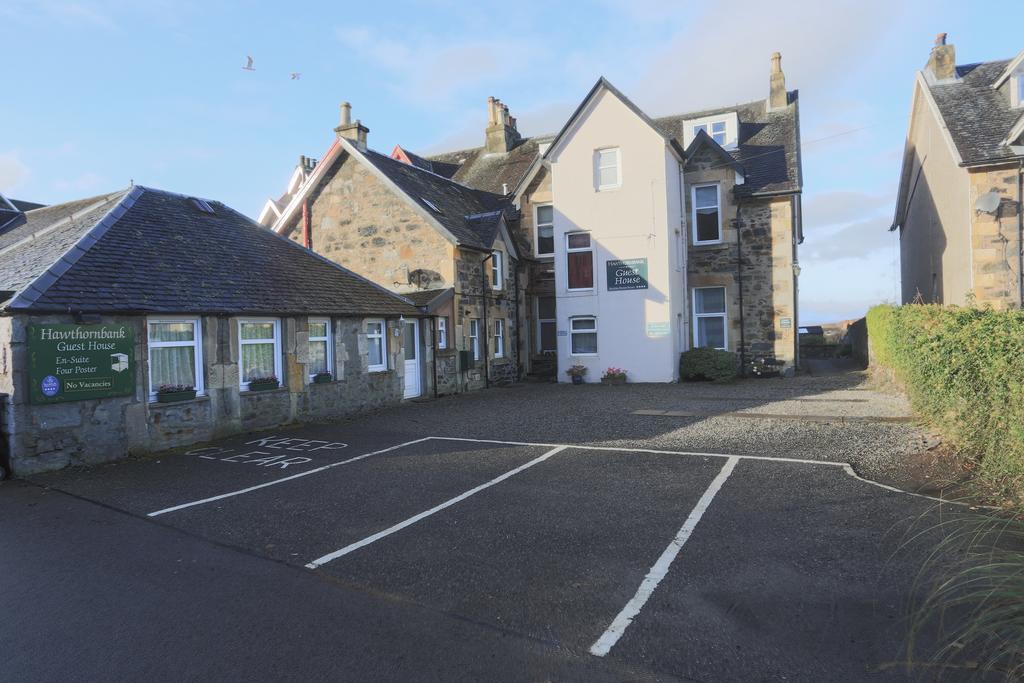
(78, 362)
(628, 273)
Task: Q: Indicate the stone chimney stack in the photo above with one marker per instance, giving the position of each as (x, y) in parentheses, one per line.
(778, 98)
(501, 133)
(941, 64)
(356, 132)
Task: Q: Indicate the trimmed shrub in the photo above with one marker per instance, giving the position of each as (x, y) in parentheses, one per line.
(963, 369)
(708, 364)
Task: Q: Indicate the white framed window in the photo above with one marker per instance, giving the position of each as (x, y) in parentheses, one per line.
(544, 223)
(321, 352)
(716, 129)
(259, 340)
(1020, 90)
(609, 172)
(499, 338)
(710, 321)
(579, 261)
(175, 353)
(707, 214)
(376, 346)
(442, 333)
(497, 269)
(474, 338)
(583, 336)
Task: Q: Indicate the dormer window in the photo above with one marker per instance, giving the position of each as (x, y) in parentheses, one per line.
(716, 129)
(723, 128)
(1019, 100)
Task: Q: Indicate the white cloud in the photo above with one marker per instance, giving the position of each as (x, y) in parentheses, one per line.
(825, 209)
(85, 182)
(13, 172)
(433, 70)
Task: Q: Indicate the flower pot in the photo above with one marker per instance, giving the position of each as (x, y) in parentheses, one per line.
(577, 379)
(323, 379)
(175, 396)
(263, 386)
(617, 379)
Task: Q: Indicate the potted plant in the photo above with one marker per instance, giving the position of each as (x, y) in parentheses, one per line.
(263, 383)
(614, 375)
(577, 372)
(322, 377)
(170, 393)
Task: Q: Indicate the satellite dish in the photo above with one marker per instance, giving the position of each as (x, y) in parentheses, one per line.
(988, 202)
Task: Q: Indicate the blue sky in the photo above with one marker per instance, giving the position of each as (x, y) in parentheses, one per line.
(103, 93)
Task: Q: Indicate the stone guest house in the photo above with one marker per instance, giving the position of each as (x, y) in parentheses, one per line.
(109, 302)
(622, 240)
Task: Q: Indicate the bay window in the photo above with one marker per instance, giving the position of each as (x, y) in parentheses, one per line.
(175, 353)
(710, 327)
(260, 349)
(579, 256)
(320, 352)
(376, 346)
(583, 336)
(707, 215)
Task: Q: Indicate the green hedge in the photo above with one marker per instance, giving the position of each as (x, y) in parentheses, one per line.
(963, 369)
(708, 364)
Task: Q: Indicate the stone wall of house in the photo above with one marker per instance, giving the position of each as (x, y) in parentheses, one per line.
(538, 272)
(995, 239)
(766, 251)
(52, 436)
(359, 222)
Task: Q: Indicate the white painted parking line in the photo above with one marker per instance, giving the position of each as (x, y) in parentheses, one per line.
(264, 485)
(845, 466)
(618, 626)
(320, 561)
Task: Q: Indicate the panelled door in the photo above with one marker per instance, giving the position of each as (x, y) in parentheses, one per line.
(413, 384)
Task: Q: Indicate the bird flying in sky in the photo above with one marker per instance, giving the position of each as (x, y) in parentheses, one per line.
(248, 64)
(296, 75)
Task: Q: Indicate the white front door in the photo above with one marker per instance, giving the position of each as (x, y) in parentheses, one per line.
(412, 359)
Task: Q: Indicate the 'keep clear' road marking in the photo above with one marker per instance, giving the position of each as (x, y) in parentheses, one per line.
(611, 636)
(320, 561)
(281, 480)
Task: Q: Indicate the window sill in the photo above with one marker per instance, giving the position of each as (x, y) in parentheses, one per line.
(713, 243)
(200, 398)
(258, 392)
(379, 371)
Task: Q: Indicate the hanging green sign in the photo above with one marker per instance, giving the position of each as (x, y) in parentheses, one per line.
(79, 362)
(628, 273)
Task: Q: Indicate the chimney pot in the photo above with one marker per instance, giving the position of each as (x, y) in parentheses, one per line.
(501, 134)
(346, 113)
(356, 132)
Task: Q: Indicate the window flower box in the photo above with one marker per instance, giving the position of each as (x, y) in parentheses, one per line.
(264, 383)
(172, 393)
(323, 378)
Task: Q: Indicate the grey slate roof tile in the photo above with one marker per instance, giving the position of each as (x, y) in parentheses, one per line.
(165, 255)
(978, 117)
(455, 202)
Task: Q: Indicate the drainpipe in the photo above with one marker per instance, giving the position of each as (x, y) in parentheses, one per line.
(307, 237)
(739, 282)
(515, 313)
(1020, 228)
(483, 332)
(433, 345)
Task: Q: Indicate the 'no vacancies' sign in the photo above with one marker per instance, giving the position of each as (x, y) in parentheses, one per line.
(628, 273)
(78, 362)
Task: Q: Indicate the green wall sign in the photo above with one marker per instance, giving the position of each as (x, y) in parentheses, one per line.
(630, 273)
(79, 362)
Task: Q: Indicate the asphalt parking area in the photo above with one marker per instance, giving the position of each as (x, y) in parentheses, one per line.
(672, 562)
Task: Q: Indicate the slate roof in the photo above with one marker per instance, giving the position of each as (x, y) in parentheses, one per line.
(768, 149)
(425, 297)
(492, 172)
(455, 203)
(977, 116)
(145, 250)
(22, 205)
(768, 145)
